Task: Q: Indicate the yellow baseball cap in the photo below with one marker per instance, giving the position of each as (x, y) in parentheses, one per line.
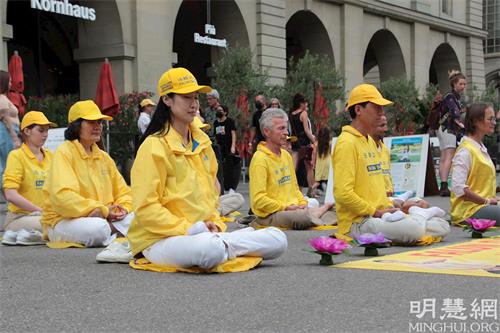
(201, 125)
(179, 81)
(87, 110)
(366, 93)
(145, 102)
(35, 117)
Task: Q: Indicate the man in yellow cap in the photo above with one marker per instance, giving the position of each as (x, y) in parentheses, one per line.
(146, 108)
(359, 188)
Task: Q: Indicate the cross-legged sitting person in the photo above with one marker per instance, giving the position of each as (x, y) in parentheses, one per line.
(275, 197)
(176, 220)
(87, 199)
(23, 181)
(474, 177)
(405, 200)
(359, 190)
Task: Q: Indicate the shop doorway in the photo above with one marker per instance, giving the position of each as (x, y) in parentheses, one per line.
(191, 18)
(45, 41)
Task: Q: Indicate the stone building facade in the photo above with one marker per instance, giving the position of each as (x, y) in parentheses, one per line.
(368, 40)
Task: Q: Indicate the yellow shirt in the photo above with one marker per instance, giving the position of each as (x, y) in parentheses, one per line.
(322, 167)
(26, 174)
(359, 188)
(385, 164)
(273, 183)
(173, 186)
(481, 180)
(78, 183)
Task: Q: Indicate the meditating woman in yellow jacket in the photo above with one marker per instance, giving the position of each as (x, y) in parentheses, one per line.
(87, 198)
(23, 180)
(473, 172)
(175, 197)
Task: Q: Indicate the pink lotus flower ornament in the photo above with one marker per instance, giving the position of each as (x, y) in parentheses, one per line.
(326, 247)
(478, 226)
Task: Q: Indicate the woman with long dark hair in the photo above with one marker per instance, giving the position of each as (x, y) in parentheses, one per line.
(323, 158)
(302, 149)
(174, 184)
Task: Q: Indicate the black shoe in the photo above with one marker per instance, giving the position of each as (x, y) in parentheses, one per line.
(444, 191)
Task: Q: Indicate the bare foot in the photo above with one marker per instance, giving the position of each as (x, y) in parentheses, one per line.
(319, 211)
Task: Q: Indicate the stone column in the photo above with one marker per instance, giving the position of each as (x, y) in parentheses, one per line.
(352, 54)
(419, 56)
(474, 50)
(6, 34)
(271, 39)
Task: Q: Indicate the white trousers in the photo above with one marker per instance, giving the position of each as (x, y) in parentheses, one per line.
(207, 249)
(90, 231)
(410, 229)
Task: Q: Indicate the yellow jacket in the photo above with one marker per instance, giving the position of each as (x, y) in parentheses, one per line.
(273, 183)
(26, 174)
(481, 180)
(78, 183)
(385, 164)
(359, 188)
(173, 187)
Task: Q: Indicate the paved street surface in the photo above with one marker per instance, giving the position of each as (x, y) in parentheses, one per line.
(46, 290)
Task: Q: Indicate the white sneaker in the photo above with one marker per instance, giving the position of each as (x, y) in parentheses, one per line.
(28, 238)
(9, 237)
(115, 252)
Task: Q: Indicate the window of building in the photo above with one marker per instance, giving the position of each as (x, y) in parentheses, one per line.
(491, 23)
(446, 7)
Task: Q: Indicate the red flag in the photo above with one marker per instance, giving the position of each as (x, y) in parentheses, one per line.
(320, 109)
(105, 96)
(15, 94)
(242, 105)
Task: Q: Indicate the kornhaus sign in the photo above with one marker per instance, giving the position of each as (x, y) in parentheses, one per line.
(207, 40)
(64, 7)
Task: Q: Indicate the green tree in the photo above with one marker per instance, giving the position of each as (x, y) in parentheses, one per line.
(401, 116)
(237, 75)
(305, 74)
(54, 107)
(489, 95)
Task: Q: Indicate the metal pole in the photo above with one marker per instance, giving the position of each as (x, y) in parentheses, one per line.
(107, 136)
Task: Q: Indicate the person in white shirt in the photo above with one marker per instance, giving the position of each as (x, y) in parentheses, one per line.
(473, 172)
(146, 108)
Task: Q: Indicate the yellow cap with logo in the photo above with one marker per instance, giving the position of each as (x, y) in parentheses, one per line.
(35, 118)
(366, 93)
(87, 110)
(179, 81)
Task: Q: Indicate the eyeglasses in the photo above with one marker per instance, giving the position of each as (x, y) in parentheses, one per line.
(491, 119)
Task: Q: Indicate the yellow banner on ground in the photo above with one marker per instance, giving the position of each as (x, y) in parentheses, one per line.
(480, 257)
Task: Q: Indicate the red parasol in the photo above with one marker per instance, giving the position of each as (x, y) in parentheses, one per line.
(320, 110)
(105, 96)
(15, 94)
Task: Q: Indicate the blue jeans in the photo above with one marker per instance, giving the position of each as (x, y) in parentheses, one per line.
(6, 145)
